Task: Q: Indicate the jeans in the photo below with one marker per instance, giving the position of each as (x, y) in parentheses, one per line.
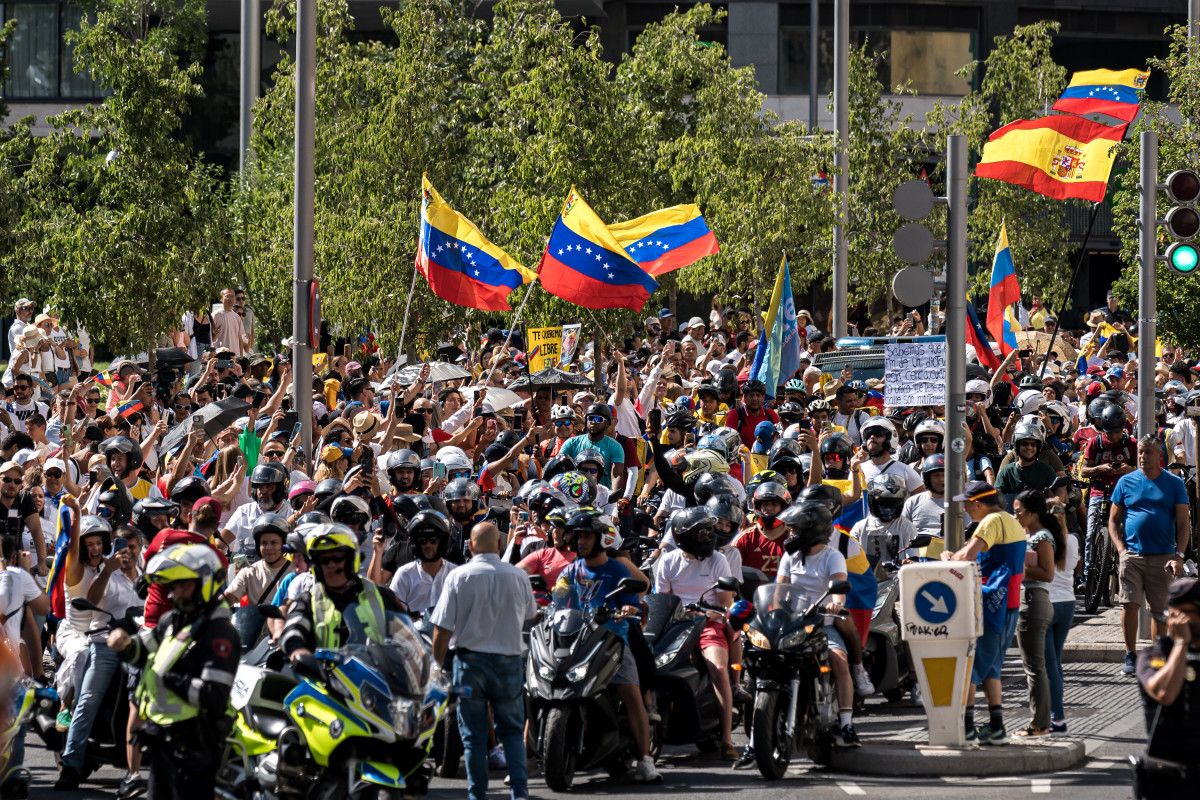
(1095, 520)
(499, 681)
(1056, 637)
(102, 663)
(1036, 616)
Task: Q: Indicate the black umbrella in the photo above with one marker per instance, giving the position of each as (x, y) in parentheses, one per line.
(552, 378)
(214, 417)
(166, 358)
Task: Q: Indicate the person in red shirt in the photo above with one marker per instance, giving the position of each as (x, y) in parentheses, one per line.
(746, 416)
(761, 545)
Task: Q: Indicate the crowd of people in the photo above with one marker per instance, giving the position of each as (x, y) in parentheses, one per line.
(658, 457)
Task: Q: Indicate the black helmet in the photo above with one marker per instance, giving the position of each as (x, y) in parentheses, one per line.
(837, 444)
(189, 490)
(726, 508)
(592, 520)
(770, 490)
(678, 416)
(930, 465)
(294, 543)
(429, 524)
(1112, 418)
(1096, 408)
(327, 488)
(557, 466)
(114, 494)
(791, 412)
(714, 484)
(272, 473)
(312, 518)
(707, 389)
(823, 493)
(147, 509)
(754, 385)
(600, 409)
(122, 444)
(886, 494)
(269, 523)
(809, 524)
(694, 530)
(545, 500)
(508, 439)
(912, 420)
(758, 479)
(726, 384)
(409, 505)
(92, 525)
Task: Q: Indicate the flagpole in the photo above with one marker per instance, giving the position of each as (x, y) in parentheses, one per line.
(407, 306)
(1071, 286)
(511, 328)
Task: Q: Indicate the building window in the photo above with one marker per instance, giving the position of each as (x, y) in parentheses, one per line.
(40, 62)
(928, 58)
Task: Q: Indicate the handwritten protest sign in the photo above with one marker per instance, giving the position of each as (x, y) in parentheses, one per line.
(915, 374)
(550, 341)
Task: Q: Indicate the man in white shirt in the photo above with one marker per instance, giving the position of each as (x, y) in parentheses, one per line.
(879, 441)
(418, 584)
(24, 313)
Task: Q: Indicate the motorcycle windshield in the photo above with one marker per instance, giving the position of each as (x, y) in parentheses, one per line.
(566, 621)
(401, 658)
(777, 605)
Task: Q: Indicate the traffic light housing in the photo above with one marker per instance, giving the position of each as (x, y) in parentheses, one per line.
(1182, 221)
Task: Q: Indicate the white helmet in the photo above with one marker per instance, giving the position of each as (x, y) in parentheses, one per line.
(454, 459)
(1029, 401)
(1057, 408)
(930, 426)
(889, 430)
(982, 387)
(561, 412)
(1029, 427)
(792, 431)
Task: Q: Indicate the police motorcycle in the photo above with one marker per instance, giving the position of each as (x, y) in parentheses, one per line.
(347, 724)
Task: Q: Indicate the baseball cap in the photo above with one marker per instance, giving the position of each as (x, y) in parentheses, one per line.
(211, 502)
(666, 312)
(696, 322)
(976, 490)
(9, 466)
(55, 463)
(1183, 591)
(24, 302)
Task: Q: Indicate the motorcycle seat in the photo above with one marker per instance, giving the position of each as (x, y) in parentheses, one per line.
(269, 722)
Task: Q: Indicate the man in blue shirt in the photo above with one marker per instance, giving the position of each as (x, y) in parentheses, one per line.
(598, 418)
(1149, 526)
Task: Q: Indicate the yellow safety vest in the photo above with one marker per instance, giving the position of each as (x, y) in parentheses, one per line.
(156, 702)
(327, 619)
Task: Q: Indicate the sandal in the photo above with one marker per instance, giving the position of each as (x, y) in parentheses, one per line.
(1030, 732)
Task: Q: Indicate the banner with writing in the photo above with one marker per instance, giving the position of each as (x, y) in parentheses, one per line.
(570, 342)
(549, 340)
(914, 374)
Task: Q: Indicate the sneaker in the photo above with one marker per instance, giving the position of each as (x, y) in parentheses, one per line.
(989, 735)
(846, 737)
(132, 786)
(62, 722)
(746, 759)
(1058, 727)
(653, 715)
(862, 682)
(915, 695)
(68, 780)
(645, 771)
(972, 735)
(496, 758)
(740, 695)
(1130, 665)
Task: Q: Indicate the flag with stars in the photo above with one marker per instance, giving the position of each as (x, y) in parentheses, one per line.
(1114, 93)
(666, 240)
(463, 267)
(584, 263)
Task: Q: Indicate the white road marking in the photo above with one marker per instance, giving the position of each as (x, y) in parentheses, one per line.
(1041, 785)
(851, 788)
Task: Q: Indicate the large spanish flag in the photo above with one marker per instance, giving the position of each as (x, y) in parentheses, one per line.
(1060, 157)
(667, 239)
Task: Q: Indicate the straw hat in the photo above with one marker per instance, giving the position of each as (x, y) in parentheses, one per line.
(31, 337)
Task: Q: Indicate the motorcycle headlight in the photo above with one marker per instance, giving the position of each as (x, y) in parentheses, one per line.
(795, 639)
(577, 673)
(667, 655)
(758, 639)
(406, 715)
(546, 672)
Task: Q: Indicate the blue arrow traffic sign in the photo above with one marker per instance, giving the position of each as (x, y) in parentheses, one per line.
(935, 602)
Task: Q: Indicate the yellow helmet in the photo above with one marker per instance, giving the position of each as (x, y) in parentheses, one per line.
(186, 562)
(331, 536)
(702, 461)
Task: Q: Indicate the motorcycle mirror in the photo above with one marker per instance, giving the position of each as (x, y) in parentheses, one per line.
(269, 611)
(83, 604)
(839, 587)
(728, 584)
(537, 583)
(890, 566)
(308, 667)
(134, 611)
(634, 585)
(921, 540)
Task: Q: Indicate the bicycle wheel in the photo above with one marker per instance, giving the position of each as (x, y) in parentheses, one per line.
(1095, 577)
(1109, 582)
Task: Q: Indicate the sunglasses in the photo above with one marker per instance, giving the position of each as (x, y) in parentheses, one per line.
(560, 423)
(596, 418)
(105, 512)
(420, 541)
(423, 410)
(590, 470)
(332, 558)
(95, 401)
(22, 388)
(299, 500)
(927, 439)
(178, 406)
(53, 474)
(273, 454)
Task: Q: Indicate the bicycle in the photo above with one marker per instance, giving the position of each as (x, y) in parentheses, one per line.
(1101, 573)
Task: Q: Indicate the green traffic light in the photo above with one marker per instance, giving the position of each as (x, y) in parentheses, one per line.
(1183, 257)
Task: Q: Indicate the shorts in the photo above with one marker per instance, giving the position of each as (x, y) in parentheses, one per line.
(990, 647)
(1137, 574)
(628, 673)
(714, 635)
(834, 638)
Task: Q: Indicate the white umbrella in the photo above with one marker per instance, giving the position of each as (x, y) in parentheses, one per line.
(497, 399)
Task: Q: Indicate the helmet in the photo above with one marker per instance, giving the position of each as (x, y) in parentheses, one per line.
(770, 491)
(1095, 409)
(592, 520)
(590, 455)
(189, 490)
(557, 466)
(1030, 382)
(190, 562)
(462, 489)
(559, 515)
(703, 461)
(528, 490)
(795, 385)
(678, 416)
(402, 459)
(268, 473)
(575, 487)
(351, 510)
(114, 494)
(784, 451)
(726, 508)
(1057, 409)
(982, 387)
(886, 494)
(733, 442)
(823, 493)
(294, 543)
(302, 488)
(1029, 401)
(122, 444)
(328, 488)
(312, 518)
(428, 524)
(545, 500)
(930, 465)
(761, 477)
(837, 444)
(789, 413)
(1029, 427)
(819, 404)
(754, 385)
(269, 523)
(809, 524)
(508, 440)
(694, 530)
(708, 389)
(146, 510)
(1112, 419)
(561, 412)
(92, 525)
(456, 461)
(933, 427)
(714, 484)
(885, 426)
(911, 420)
(792, 431)
(677, 461)
(328, 538)
(727, 385)
(599, 409)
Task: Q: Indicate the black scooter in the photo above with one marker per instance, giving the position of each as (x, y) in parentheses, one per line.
(578, 724)
(885, 655)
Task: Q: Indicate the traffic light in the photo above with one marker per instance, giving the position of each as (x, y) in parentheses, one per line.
(1183, 220)
(913, 201)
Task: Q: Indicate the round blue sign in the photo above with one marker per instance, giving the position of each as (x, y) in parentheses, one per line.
(935, 602)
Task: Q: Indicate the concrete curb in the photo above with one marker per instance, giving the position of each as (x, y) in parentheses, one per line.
(918, 760)
(1095, 652)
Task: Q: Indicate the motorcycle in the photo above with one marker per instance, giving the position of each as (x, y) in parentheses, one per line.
(578, 724)
(885, 655)
(348, 724)
(787, 658)
(447, 749)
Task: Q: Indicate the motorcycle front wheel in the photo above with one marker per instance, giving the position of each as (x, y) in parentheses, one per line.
(772, 746)
(558, 757)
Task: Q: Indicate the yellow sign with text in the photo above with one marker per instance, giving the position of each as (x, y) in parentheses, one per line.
(548, 343)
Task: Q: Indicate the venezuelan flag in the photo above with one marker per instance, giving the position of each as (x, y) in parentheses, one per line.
(584, 263)
(668, 239)
(1115, 93)
(1059, 157)
(129, 408)
(1004, 293)
(978, 339)
(105, 379)
(463, 267)
(56, 580)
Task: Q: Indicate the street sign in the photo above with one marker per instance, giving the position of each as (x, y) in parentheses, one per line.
(935, 602)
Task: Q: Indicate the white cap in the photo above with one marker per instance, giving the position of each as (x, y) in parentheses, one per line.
(56, 463)
(695, 322)
(240, 423)
(23, 457)
(581, 396)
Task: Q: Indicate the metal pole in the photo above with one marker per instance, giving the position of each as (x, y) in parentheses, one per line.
(956, 335)
(404, 328)
(302, 234)
(1193, 19)
(841, 180)
(1147, 280)
(251, 70)
(814, 63)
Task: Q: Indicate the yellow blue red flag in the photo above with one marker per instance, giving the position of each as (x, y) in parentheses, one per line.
(1114, 93)
(667, 239)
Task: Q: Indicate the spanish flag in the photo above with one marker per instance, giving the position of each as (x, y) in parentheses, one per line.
(1114, 93)
(668, 239)
(1059, 157)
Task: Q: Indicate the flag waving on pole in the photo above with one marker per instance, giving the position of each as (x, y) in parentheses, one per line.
(55, 581)
(667, 239)
(778, 354)
(1004, 293)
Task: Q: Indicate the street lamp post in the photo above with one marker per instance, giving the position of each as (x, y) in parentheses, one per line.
(302, 234)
